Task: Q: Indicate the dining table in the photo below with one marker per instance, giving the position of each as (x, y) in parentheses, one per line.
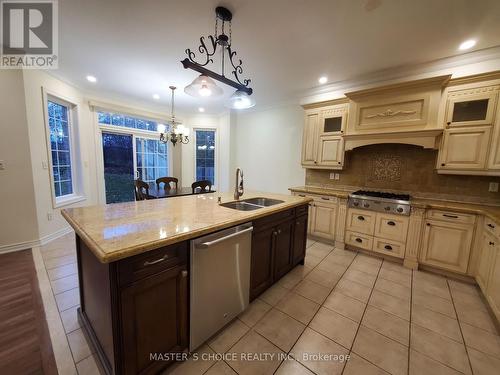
(179, 192)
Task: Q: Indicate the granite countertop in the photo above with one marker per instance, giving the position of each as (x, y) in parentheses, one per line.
(117, 231)
(491, 211)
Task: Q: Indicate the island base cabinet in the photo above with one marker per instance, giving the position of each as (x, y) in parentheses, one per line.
(261, 276)
(155, 320)
(283, 248)
(300, 239)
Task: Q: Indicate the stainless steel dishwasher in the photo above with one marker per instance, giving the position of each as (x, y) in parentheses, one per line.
(220, 280)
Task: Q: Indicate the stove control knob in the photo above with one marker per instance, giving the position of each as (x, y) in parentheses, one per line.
(366, 205)
(356, 204)
(400, 209)
(387, 208)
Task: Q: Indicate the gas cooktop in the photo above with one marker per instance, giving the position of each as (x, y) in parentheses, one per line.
(379, 194)
(398, 204)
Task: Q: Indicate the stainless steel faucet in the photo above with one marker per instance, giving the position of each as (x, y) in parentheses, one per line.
(238, 188)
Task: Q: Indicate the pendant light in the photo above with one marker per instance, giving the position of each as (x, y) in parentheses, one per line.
(203, 87)
(178, 132)
(240, 100)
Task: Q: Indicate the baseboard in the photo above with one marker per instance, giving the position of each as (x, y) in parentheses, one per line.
(39, 242)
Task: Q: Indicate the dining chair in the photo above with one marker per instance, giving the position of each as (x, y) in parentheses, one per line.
(142, 191)
(202, 185)
(167, 181)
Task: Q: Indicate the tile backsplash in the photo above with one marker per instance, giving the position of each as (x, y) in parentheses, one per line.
(404, 168)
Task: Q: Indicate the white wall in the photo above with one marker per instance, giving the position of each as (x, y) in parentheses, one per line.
(267, 146)
(18, 225)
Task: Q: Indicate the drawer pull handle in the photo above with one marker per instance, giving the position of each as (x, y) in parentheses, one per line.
(325, 198)
(302, 195)
(451, 216)
(361, 218)
(388, 247)
(492, 243)
(491, 226)
(148, 263)
(391, 223)
(359, 240)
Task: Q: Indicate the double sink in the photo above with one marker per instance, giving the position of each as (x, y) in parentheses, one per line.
(251, 204)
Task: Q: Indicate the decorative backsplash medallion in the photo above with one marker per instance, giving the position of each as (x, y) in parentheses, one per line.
(386, 168)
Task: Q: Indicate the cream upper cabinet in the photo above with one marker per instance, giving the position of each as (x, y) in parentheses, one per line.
(310, 139)
(323, 220)
(471, 107)
(493, 288)
(465, 148)
(446, 245)
(494, 157)
(331, 151)
(485, 260)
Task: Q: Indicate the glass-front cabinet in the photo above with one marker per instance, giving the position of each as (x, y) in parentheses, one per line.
(333, 120)
(472, 107)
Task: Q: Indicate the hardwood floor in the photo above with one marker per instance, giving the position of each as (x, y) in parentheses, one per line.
(25, 346)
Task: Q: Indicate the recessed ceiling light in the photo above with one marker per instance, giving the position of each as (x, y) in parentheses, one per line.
(467, 44)
(201, 109)
(156, 97)
(323, 80)
(92, 79)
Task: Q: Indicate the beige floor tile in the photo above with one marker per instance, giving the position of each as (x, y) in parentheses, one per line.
(393, 289)
(434, 303)
(481, 340)
(310, 344)
(345, 305)
(431, 287)
(191, 366)
(228, 337)
(397, 277)
(360, 277)
(295, 276)
(88, 366)
(79, 346)
(390, 304)
(254, 312)
(468, 300)
(430, 277)
(320, 250)
(326, 278)
(70, 319)
(439, 348)
(59, 261)
(310, 242)
(220, 368)
(298, 307)
(381, 351)
(313, 291)
(360, 366)
(423, 365)
(369, 268)
(291, 367)
(254, 344)
(68, 299)
(282, 330)
(63, 271)
(64, 284)
(311, 260)
(459, 286)
(354, 290)
(395, 267)
(345, 252)
(387, 324)
(368, 259)
(476, 317)
(329, 265)
(483, 364)
(338, 259)
(335, 326)
(436, 322)
(274, 294)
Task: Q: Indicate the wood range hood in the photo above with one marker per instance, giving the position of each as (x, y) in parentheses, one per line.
(404, 113)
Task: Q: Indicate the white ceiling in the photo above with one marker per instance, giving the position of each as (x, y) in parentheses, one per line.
(134, 47)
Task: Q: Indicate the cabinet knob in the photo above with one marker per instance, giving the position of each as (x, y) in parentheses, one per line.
(339, 162)
(448, 123)
(428, 224)
(442, 164)
(491, 226)
(492, 243)
(184, 273)
(279, 231)
(315, 162)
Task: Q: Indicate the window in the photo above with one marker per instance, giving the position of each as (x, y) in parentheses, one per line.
(60, 147)
(205, 155)
(121, 120)
(151, 159)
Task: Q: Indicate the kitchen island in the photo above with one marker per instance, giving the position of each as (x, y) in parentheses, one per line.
(133, 266)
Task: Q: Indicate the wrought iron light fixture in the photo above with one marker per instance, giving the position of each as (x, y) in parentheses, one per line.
(177, 132)
(204, 85)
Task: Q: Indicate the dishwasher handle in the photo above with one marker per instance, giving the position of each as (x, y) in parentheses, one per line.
(205, 245)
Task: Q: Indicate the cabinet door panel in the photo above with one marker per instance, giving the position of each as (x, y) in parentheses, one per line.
(485, 260)
(493, 289)
(310, 140)
(323, 220)
(469, 108)
(361, 221)
(391, 227)
(331, 151)
(283, 248)
(446, 245)
(261, 274)
(300, 238)
(161, 329)
(465, 148)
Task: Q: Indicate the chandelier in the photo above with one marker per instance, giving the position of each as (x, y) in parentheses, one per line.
(204, 85)
(177, 131)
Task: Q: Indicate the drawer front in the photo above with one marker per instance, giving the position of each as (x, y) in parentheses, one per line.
(391, 227)
(273, 219)
(491, 227)
(383, 246)
(359, 240)
(152, 262)
(452, 217)
(360, 221)
(325, 199)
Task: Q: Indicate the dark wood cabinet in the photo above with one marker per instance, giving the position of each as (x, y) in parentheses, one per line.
(154, 319)
(278, 244)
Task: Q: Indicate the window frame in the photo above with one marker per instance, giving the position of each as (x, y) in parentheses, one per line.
(77, 195)
(216, 153)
